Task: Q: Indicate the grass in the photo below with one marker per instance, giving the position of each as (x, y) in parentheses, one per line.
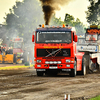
(96, 98)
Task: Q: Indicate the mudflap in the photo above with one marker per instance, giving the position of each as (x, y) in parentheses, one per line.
(79, 57)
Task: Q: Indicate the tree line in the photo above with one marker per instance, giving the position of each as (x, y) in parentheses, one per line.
(25, 16)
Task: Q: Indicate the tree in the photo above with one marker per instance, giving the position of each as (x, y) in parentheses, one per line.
(79, 27)
(56, 21)
(93, 13)
(23, 18)
(70, 20)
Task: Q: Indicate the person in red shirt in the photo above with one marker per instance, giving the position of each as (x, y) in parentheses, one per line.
(92, 38)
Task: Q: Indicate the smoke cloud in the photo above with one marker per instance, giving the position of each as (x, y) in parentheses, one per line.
(50, 6)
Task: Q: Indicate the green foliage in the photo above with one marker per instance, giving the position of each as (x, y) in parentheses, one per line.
(23, 18)
(69, 20)
(93, 13)
(79, 27)
(27, 64)
(96, 98)
(56, 21)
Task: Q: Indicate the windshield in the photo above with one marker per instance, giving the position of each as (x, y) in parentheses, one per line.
(53, 37)
(17, 45)
(91, 37)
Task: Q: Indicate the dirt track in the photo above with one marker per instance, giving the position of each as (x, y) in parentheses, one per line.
(25, 85)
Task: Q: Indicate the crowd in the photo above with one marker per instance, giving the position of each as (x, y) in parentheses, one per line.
(7, 50)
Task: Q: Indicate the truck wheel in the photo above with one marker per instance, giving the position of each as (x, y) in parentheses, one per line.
(99, 68)
(83, 72)
(74, 71)
(39, 73)
(92, 66)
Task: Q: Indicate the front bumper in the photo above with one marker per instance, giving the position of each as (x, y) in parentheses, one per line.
(56, 66)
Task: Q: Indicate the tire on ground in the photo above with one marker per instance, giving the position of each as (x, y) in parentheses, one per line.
(84, 70)
(74, 71)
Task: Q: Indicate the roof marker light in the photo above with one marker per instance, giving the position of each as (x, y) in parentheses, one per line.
(63, 25)
(42, 25)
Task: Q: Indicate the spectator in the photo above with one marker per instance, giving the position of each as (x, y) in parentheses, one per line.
(92, 38)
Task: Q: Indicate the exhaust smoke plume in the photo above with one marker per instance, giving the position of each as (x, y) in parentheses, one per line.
(49, 7)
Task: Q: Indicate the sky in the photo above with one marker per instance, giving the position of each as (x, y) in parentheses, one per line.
(75, 8)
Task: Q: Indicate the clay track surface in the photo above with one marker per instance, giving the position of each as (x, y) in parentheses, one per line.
(25, 85)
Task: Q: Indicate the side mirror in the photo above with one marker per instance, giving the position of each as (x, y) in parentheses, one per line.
(32, 38)
(75, 38)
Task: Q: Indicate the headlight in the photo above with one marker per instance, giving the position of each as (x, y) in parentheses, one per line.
(38, 61)
(38, 65)
(59, 62)
(67, 60)
(51, 62)
(55, 62)
(47, 62)
(67, 65)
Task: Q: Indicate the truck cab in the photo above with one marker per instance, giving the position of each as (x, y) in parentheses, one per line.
(55, 50)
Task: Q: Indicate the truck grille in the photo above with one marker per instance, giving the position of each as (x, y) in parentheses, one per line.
(55, 52)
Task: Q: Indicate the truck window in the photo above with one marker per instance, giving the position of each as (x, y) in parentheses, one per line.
(53, 37)
(91, 37)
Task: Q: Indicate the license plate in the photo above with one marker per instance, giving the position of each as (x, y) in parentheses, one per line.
(52, 67)
(40, 69)
(66, 69)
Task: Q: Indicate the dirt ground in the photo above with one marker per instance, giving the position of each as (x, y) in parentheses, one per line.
(25, 85)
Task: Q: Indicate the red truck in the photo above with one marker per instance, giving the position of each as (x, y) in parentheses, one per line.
(55, 51)
(18, 49)
(91, 48)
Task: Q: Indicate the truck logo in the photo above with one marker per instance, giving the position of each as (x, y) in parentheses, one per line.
(53, 52)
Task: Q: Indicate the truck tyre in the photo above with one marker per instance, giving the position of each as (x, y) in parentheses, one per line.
(83, 72)
(74, 71)
(92, 67)
(39, 73)
(99, 68)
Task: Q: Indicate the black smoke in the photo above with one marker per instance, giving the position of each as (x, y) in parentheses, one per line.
(50, 6)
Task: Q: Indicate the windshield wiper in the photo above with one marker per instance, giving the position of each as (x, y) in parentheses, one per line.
(53, 52)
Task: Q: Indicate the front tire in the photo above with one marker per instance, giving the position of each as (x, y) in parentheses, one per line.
(74, 71)
(84, 71)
